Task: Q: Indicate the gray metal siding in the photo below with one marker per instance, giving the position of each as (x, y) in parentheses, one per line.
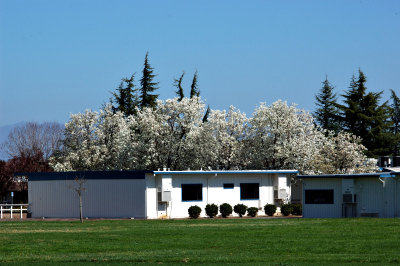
(323, 210)
(106, 198)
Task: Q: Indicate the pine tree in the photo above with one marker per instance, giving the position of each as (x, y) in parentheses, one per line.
(363, 116)
(194, 90)
(327, 113)
(148, 86)
(126, 98)
(395, 119)
(178, 85)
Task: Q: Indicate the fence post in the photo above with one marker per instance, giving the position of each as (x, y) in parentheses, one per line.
(11, 211)
(20, 211)
(1, 211)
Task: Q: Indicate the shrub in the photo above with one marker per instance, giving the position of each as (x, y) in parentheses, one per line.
(211, 210)
(240, 209)
(225, 209)
(252, 211)
(297, 209)
(270, 209)
(286, 209)
(194, 212)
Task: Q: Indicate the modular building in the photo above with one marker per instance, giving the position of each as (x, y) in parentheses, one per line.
(351, 195)
(152, 194)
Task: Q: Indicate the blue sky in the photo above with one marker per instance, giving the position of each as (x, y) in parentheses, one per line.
(61, 57)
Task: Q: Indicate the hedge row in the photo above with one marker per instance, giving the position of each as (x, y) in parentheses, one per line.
(226, 209)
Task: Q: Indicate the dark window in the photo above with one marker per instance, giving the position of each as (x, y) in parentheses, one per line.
(319, 196)
(249, 191)
(192, 192)
(228, 185)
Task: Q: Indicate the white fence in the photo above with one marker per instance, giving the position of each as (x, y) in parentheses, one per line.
(13, 208)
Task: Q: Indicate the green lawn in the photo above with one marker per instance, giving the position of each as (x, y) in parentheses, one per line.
(248, 241)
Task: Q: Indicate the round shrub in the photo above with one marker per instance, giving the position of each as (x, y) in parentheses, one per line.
(225, 209)
(286, 209)
(270, 209)
(252, 211)
(297, 209)
(211, 210)
(194, 212)
(240, 209)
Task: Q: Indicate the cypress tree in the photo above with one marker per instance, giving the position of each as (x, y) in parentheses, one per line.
(178, 85)
(194, 90)
(148, 86)
(125, 98)
(205, 117)
(327, 113)
(395, 126)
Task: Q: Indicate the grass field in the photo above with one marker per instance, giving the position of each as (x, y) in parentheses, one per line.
(247, 241)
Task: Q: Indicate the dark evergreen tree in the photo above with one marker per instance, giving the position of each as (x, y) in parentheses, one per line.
(205, 117)
(194, 90)
(363, 116)
(148, 86)
(395, 126)
(178, 85)
(326, 114)
(125, 99)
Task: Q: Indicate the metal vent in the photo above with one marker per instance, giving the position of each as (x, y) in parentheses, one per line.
(347, 198)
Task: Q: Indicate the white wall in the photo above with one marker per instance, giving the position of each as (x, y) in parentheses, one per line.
(213, 192)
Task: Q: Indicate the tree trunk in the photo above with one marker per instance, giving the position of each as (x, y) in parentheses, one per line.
(80, 209)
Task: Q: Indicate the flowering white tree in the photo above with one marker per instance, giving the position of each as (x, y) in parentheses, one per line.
(173, 135)
(96, 141)
(282, 136)
(343, 153)
(116, 140)
(167, 132)
(226, 134)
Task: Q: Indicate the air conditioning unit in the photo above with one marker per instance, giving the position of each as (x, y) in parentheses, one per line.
(163, 196)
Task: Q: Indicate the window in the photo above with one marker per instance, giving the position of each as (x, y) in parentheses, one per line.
(228, 185)
(192, 192)
(249, 191)
(318, 196)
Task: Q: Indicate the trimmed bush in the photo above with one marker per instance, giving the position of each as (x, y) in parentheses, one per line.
(194, 212)
(252, 211)
(270, 209)
(225, 209)
(286, 209)
(297, 209)
(211, 210)
(240, 209)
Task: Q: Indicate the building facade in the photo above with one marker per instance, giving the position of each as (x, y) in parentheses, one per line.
(351, 195)
(152, 194)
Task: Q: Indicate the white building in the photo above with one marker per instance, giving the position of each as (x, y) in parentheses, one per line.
(147, 194)
(351, 195)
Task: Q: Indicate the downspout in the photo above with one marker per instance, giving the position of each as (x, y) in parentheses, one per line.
(207, 188)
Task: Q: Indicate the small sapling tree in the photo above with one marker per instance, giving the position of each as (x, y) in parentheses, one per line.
(79, 188)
